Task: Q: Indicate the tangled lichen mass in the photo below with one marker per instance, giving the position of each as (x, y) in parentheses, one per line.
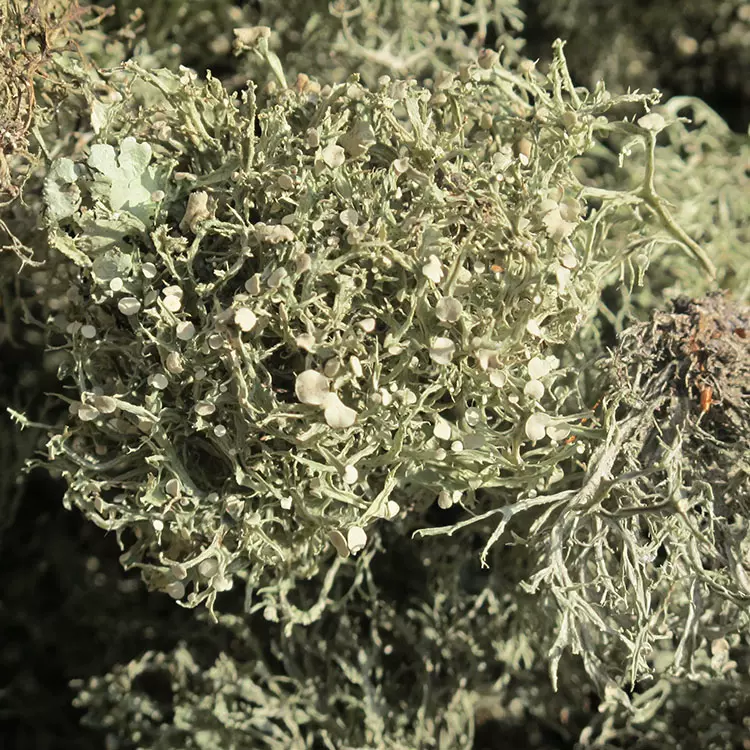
(414, 370)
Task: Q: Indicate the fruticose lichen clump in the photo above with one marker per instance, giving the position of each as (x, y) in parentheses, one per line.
(281, 312)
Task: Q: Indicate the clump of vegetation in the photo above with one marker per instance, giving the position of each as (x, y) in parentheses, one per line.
(409, 348)
(645, 560)
(281, 314)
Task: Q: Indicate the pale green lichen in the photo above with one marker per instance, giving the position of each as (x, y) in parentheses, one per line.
(185, 222)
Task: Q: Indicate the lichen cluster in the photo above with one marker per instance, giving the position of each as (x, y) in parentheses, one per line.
(414, 370)
(280, 314)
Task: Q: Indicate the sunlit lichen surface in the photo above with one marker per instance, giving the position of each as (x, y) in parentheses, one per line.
(382, 387)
